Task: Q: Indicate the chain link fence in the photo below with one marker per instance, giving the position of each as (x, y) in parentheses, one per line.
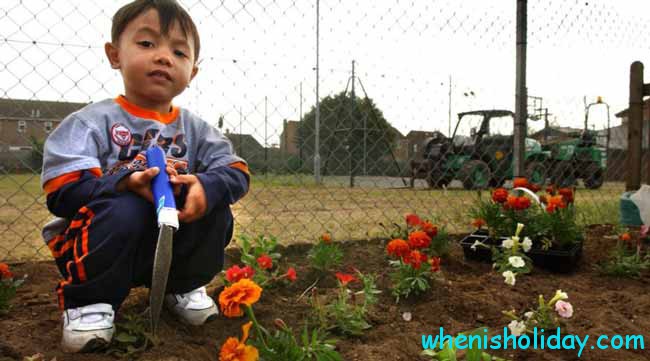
(415, 110)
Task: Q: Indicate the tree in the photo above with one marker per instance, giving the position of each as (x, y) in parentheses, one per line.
(342, 135)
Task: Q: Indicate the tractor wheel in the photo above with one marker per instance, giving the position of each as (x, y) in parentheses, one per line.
(475, 174)
(497, 182)
(437, 180)
(536, 173)
(594, 178)
(564, 175)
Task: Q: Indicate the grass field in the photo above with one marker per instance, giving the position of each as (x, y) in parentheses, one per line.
(295, 209)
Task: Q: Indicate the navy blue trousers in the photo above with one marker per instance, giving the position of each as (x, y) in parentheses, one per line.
(110, 244)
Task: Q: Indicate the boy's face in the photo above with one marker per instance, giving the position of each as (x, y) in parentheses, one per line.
(155, 68)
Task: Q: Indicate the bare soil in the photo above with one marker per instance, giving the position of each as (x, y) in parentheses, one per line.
(469, 296)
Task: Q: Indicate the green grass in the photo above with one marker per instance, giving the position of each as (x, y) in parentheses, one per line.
(295, 209)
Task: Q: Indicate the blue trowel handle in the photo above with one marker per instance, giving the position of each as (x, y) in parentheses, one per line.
(163, 195)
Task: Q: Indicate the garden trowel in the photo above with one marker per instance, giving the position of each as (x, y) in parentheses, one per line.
(163, 197)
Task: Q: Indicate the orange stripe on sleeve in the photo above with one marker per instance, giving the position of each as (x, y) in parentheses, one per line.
(55, 183)
(241, 166)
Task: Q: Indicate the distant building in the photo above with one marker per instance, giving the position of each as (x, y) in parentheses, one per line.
(289, 137)
(22, 121)
(553, 134)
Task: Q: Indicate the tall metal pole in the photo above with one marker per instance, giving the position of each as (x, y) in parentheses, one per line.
(300, 138)
(241, 154)
(521, 96)
(317, 130)
(266, 143)
(634, 127)
(449, 130)
(353, 127)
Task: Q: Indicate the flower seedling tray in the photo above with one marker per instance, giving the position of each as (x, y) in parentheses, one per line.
(480, 254)
(557, 260)
(554, 260)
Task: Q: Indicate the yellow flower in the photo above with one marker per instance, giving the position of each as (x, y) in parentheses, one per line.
(243, 292)
(236, 350)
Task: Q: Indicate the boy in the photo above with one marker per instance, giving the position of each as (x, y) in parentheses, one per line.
(97, 182)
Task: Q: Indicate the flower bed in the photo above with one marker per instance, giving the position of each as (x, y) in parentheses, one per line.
(467, 297)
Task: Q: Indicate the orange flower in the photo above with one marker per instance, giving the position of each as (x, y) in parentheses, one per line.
(520, 182)
(478, 223)
(415, 259)
(511, 202)
(429, 228)
(555, 202)
(236, 350)
(398, 248)
(4, 271)
(291, 274)
(326, 238)
(625, 237)
(235, 273)
(499, 195)
(413, 220)
(243, 292)
(419, 239)
(435, 264)
(265, 262)
(567, 194)
(345, 278)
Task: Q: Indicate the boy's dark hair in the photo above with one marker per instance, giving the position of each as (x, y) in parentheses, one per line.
(168, 12)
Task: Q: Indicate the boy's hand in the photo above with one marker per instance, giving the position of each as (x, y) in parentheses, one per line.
(196, 203)
(139, 182)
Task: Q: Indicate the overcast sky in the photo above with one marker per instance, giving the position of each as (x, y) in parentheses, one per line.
(405, 52)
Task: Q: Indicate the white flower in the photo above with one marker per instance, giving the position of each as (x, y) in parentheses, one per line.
(476, 243)
(509, 278)
(517, 327)
(520, 226)
(528, 314)
(407, 316)
(508, 243)
(516, 261)
(559, 296)
(526, 244)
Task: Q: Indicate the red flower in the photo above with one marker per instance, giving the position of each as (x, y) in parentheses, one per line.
(415, 259)
(419, 239)
(345, 278)
(478, 223)
(4, 271)
(265, 262)
(234, 273)
(523, 203)
(429, 228)
(499, 195)
(625, 237)
(511, 202)
(567, 194)
(534, 187)
(413, 220)
(520, 182)
(435, 264)
(291, 274)
(398, 248)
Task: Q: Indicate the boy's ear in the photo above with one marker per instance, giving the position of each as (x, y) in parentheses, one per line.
(195, 70)
(112, 54)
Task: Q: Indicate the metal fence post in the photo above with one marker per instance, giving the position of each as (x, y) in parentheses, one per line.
(634, 126)
(521, 98)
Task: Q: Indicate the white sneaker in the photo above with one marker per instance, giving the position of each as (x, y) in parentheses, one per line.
(194, 308)
(87, 328)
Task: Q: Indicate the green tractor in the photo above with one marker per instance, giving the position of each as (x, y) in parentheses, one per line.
(579, 157)
(479, 153)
